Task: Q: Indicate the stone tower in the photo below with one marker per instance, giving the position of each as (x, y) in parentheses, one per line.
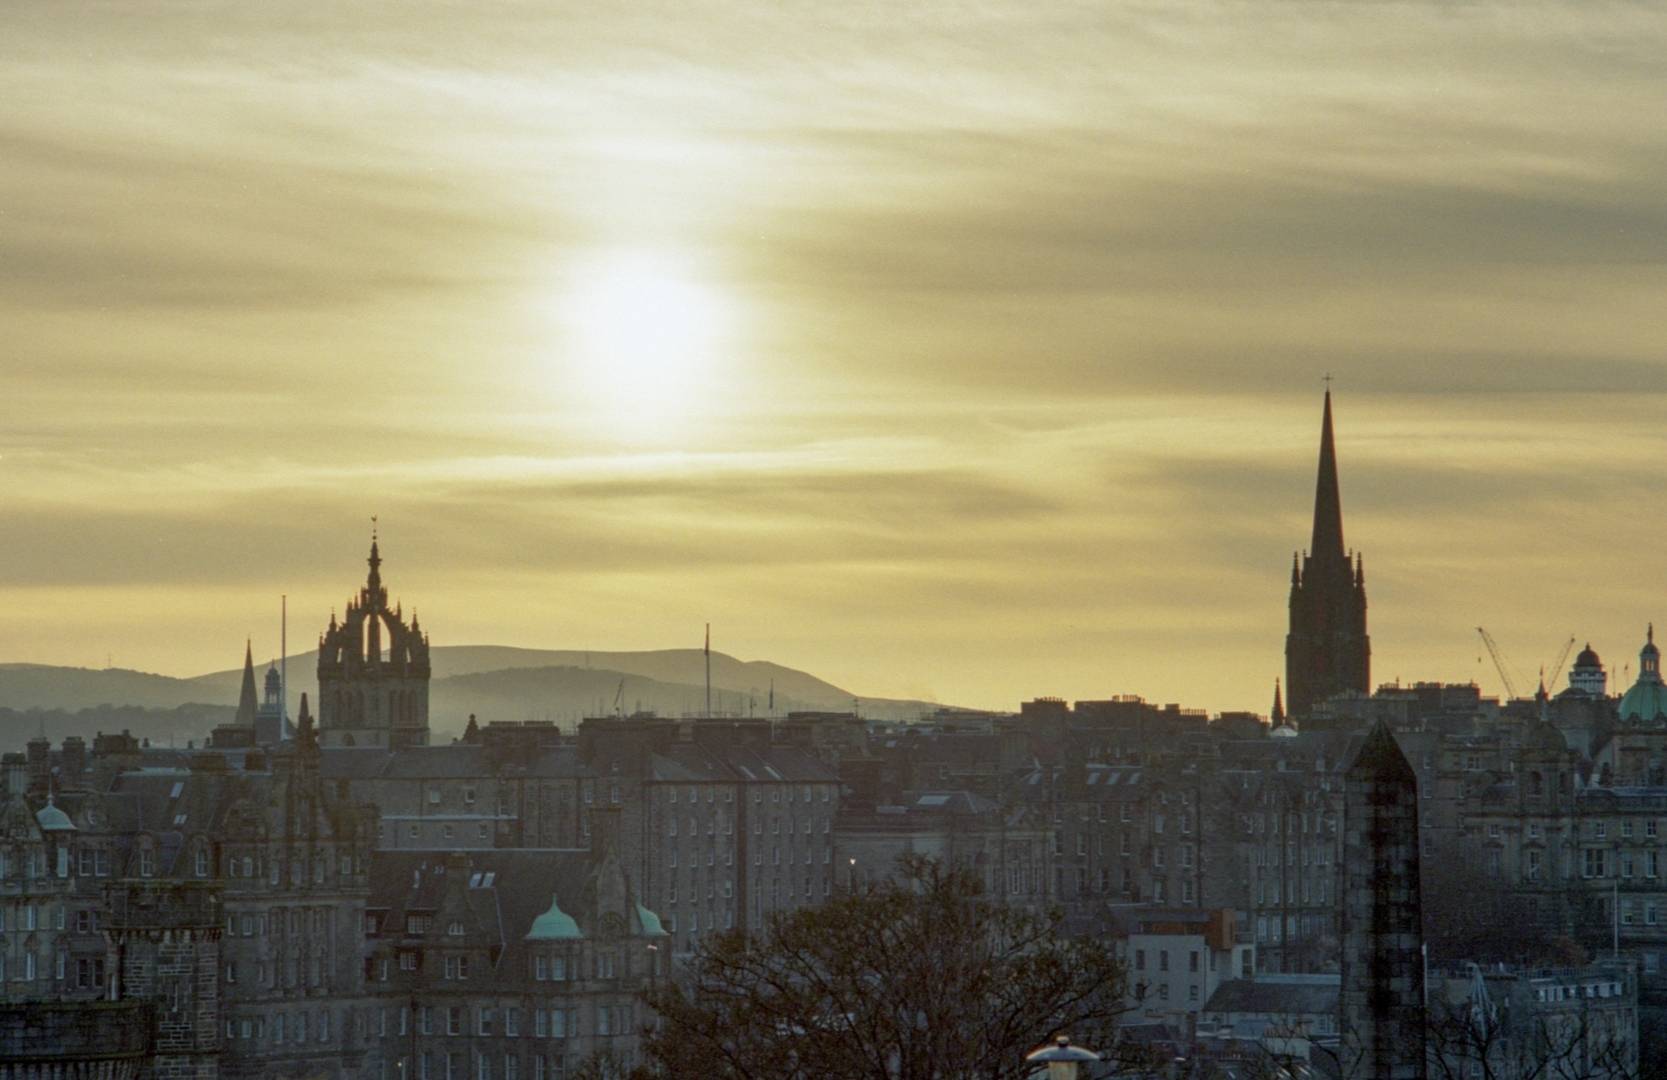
(1327, 651)
(1381, 1007)
(371, 691)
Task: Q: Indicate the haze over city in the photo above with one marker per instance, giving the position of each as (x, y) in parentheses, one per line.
(964, 353)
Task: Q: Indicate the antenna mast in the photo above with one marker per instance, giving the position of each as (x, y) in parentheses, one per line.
(708, 669)
(283, 666)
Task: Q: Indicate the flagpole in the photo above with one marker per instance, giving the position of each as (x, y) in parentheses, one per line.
(708, 669)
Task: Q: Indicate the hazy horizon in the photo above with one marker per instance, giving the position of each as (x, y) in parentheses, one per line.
(960, 352)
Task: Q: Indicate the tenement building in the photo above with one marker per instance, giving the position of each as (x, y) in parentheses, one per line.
(223, 888)
(510, 965)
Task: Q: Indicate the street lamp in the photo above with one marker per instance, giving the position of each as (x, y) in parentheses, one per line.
(853, 877)
(1061, 1058)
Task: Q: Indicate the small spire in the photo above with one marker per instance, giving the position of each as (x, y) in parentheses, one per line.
(247, 702)
(1359, 569)
(1296, 572)
(305, 737)
(1278, 705)
(375, 559)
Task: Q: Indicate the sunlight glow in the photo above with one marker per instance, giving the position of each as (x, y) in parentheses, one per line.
(643, 338)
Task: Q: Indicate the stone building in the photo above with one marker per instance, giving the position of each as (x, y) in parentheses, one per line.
(509, 965)
(724, 824)
(371, 691)
(505, 785)
(1010, 849)
(226, 888)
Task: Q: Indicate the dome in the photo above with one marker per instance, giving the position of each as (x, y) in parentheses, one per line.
(554, 925)
(1645, 702)
(1587, 658)
(52, 819)
(1284, 731)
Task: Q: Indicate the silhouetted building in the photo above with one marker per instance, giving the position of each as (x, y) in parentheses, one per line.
(371, 693)
(1327, 651)
(1381, 1012)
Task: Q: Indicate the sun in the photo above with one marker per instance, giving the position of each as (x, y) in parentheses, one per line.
(644, 335)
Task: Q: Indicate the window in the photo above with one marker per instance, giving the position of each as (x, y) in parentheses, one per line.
(512, 1023)
(455, 928)
(433, 795)
(1594, 863)
(483, 1022)
(454, 1020)
(1140, 959)
(469, 794)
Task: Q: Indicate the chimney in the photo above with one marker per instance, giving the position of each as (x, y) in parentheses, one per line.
(74, 757)
(39, 752)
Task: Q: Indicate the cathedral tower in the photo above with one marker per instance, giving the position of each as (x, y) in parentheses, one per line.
(372, 693)
(1327, 651)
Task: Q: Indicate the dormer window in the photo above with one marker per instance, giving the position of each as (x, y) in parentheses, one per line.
(455, 928)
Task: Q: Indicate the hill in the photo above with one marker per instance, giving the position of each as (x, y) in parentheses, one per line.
(490, 681)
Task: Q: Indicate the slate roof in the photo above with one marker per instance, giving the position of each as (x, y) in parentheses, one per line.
(1288, 995)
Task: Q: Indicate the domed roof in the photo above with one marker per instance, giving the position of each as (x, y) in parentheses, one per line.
(52, 819)
(554, 925)
(1284, 731)
(1645, 703)
(1587, 658)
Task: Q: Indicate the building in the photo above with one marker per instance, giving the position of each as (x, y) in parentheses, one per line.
(373, 692)
(1176, 960)
(1327, 651)
(726, 822)
(1522, 1024)
(511, 965)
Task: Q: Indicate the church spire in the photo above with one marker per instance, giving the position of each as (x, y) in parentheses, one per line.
(375, 560)
(1278, 705)
(1327, 544)
(246, 702)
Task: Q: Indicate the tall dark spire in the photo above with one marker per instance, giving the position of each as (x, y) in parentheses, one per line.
(1327, 651)
(1327, 543)
(1278, 705)
(246, 701)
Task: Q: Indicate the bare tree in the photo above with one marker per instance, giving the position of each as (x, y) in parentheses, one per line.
(921, 979)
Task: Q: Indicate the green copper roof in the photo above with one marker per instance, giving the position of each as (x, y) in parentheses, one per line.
(650, 923)
(1645, 702)
(554, 925)
(52, 819)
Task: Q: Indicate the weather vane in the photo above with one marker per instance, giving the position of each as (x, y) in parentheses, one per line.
(1325, 379)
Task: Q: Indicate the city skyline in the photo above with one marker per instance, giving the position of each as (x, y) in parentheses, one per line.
(988, 351)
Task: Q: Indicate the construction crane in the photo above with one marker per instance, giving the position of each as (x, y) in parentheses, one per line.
(1557, 668)
(1498, 663)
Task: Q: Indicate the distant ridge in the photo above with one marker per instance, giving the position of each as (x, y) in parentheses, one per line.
(491, 681)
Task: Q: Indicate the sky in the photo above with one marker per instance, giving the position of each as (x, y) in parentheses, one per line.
(970, 352)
